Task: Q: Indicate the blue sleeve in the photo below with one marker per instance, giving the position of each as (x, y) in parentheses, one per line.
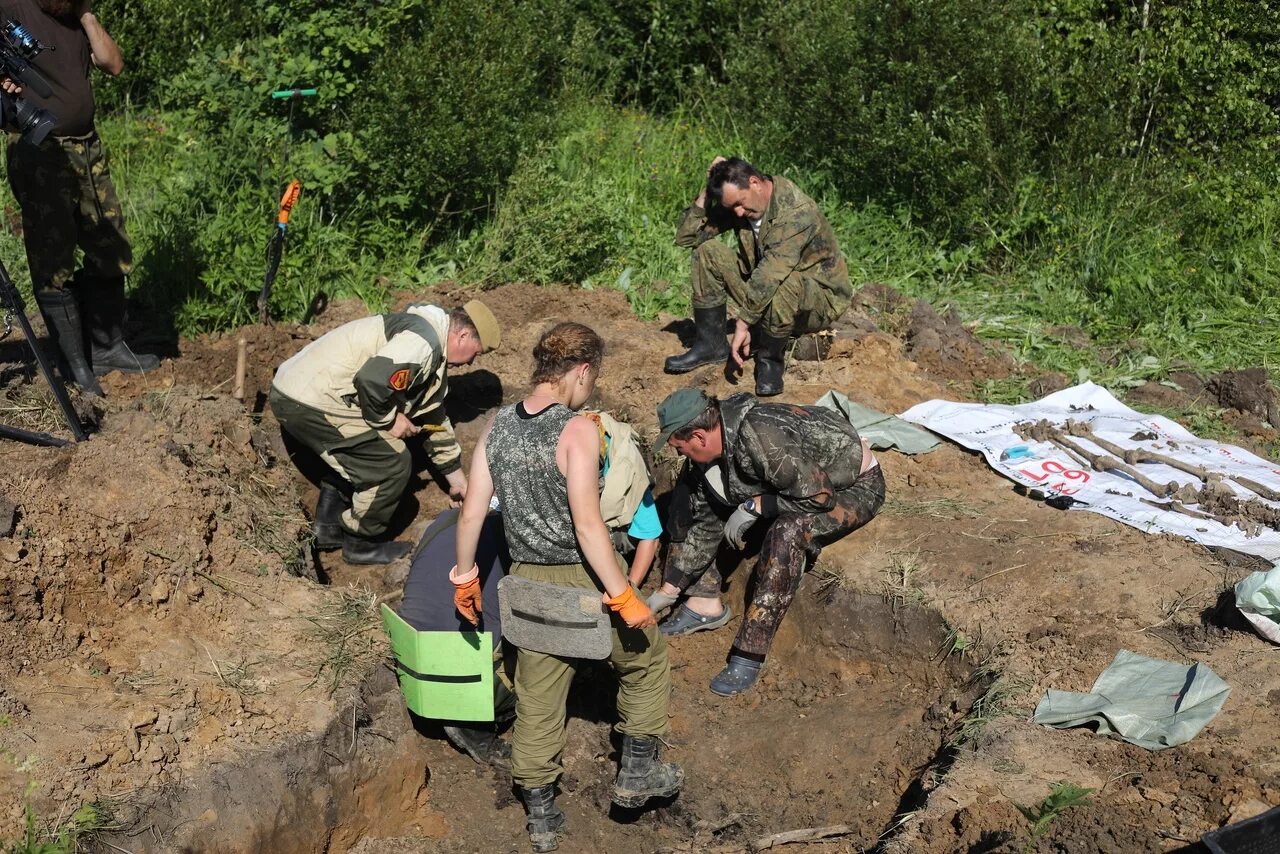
(646, 525)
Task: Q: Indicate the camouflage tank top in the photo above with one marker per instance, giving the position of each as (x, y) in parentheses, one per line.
(521, 453)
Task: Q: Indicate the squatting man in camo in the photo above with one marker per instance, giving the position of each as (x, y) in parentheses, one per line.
(797, 478)
(787, 278)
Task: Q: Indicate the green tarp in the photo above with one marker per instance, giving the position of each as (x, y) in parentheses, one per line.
(882, 431)
(1145, 701)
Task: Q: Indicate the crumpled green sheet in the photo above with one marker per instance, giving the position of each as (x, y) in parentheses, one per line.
(1258, 598)
(881, 430)
(1145, 701)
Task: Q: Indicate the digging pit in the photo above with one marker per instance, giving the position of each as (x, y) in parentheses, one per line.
(854, 707)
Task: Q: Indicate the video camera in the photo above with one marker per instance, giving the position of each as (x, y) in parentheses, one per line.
(18, 47)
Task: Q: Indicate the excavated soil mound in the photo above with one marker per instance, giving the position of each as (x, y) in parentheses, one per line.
(163, 654)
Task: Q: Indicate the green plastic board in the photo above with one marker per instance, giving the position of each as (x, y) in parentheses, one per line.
(443, 675)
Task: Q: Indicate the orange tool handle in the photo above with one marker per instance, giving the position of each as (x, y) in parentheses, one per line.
(288, 200)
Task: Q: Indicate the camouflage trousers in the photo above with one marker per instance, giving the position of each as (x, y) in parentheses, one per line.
(376, 465)
(68, 201)
(791, 540)
(799, 305)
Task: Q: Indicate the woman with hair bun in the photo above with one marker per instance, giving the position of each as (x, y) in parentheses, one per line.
(543, 461)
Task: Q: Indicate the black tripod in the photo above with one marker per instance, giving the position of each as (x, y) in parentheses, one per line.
(15, 309)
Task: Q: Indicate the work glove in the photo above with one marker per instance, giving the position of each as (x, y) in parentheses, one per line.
(631, 608)
(735, 530)
(466, 594)
(659, 601)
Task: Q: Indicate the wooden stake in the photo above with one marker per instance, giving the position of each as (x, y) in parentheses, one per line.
(237, 390)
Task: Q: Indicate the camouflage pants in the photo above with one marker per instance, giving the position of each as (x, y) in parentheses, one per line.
(792, 538)
(64, 189)
(376, 465)
(799, 305)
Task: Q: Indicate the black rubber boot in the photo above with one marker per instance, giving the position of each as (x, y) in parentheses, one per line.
(103, 300)
(544, 820)
(710, 347)
(641, 776)
(327, 524)
(363, 550)
(62, 317)
(482, 745)
(771, 355)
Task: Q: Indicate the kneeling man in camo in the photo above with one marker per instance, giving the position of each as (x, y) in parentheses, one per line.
(786, 279)
(354, 395)
(799, 476)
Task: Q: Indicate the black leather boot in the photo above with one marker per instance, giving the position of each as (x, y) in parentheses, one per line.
(62, 317)
(545, 820)
(103, 300)
(482, 745)
(710, 347)
(771, 355)
(367, 551)
(327, 524)
(641, 776)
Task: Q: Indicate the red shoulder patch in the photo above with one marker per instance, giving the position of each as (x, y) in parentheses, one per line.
(400, 379)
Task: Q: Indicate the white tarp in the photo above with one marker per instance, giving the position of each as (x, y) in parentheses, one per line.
(989, 428)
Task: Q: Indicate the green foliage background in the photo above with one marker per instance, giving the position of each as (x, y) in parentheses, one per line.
(1109, 164)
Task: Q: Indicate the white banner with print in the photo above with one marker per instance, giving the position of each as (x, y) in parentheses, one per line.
(1057, 471)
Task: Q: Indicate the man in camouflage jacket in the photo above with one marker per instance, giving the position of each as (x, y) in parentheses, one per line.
(787, 277)
(356, 393)
(800, 473)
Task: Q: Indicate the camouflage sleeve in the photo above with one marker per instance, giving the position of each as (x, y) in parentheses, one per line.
(695, 532)
(696, 228)
(779, 256)
(381, 381)
(770, 448)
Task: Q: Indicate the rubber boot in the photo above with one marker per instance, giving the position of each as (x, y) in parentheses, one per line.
(103, 299)
(641, 776)
(62, 317)
(544, 820)
(771, 354)
(710, 347)
(367, 551)
(482, 745)
(327, 524)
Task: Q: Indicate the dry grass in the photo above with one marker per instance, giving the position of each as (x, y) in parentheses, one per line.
(348, 639)
(900, 585)
(936, 508)
(31, 405)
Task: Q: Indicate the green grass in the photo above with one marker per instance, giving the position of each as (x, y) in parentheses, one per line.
(1157, 274)
(61, 835)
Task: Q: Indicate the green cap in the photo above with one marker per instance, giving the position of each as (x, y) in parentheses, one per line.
(678, 409)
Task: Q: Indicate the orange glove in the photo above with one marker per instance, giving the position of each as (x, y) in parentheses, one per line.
(466, 594)
(634, 612)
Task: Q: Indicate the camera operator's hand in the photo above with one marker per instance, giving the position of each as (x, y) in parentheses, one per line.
(102, 48)
(9, 86)
(701, 200)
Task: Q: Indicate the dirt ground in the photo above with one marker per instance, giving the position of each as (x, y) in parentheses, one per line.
(171, 652)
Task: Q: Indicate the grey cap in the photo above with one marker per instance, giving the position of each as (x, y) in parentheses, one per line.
(678, 409)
